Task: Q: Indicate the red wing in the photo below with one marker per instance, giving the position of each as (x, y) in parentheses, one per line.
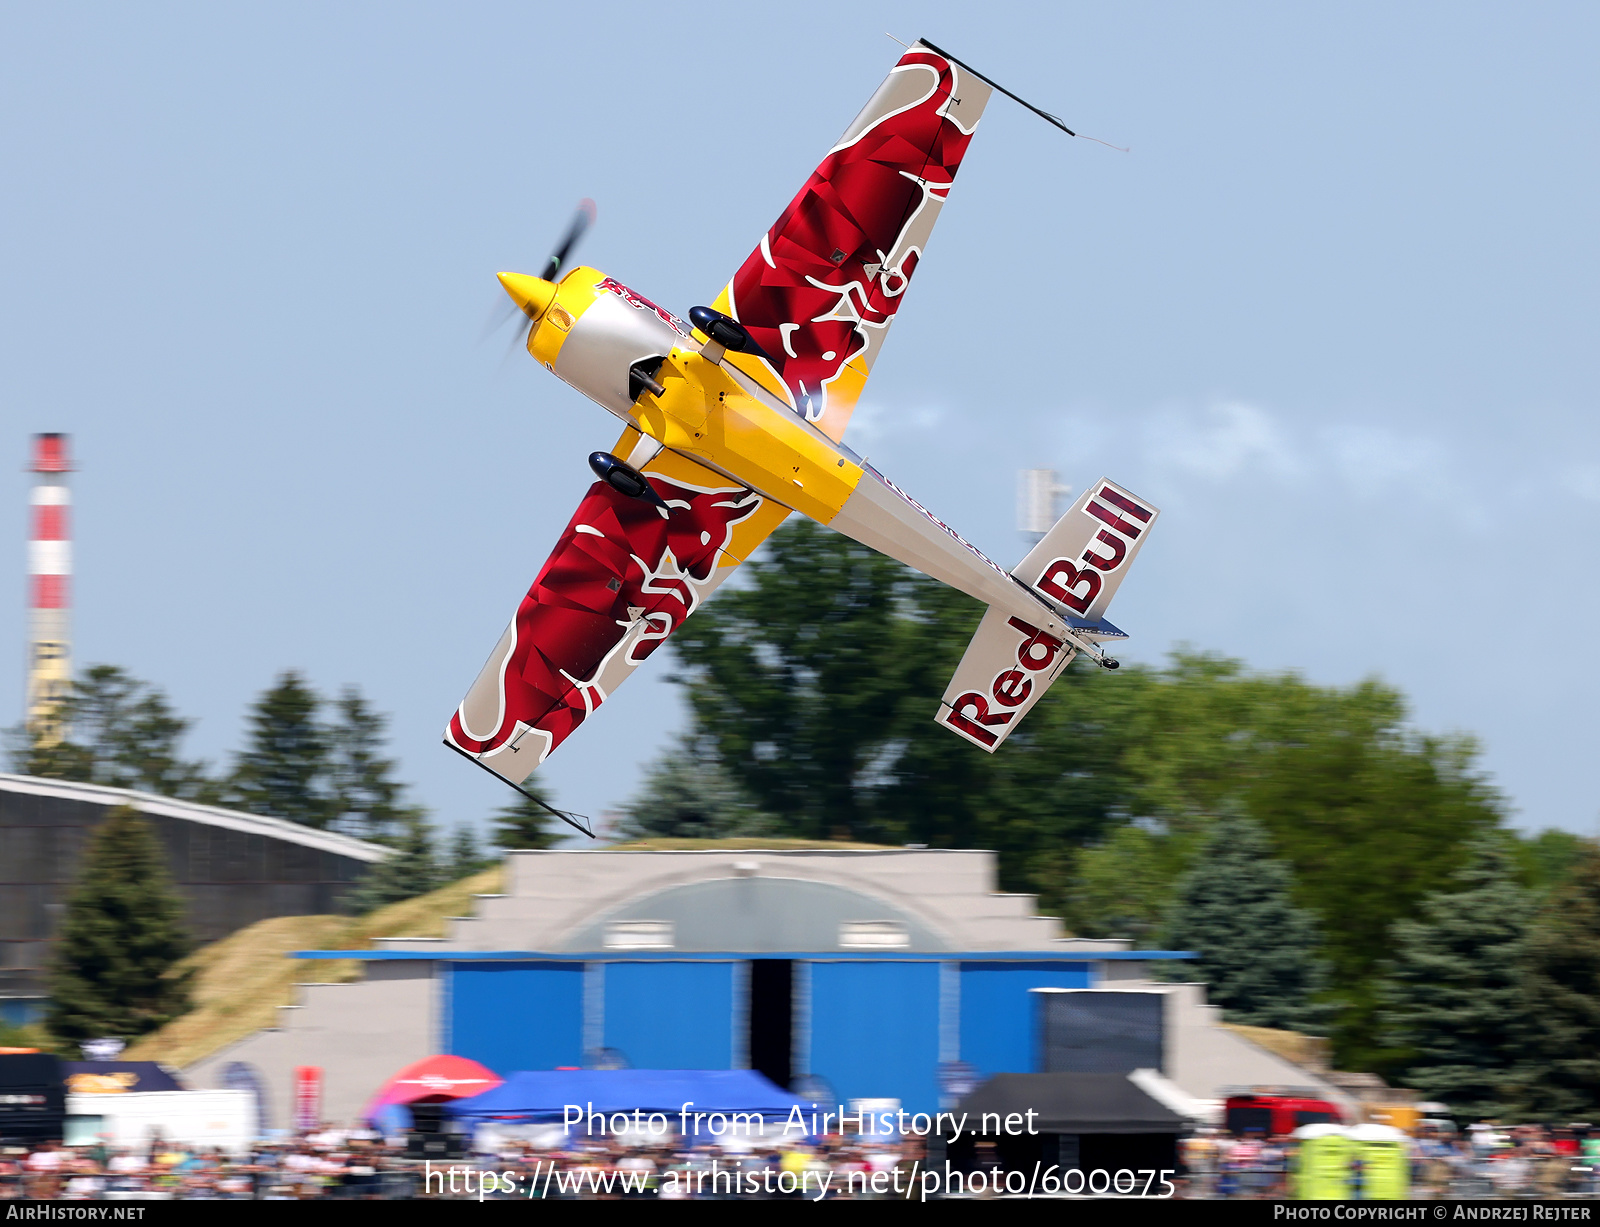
(822, 287)
(621, 579)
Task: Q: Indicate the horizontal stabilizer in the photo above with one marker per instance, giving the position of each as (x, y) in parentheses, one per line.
(1077, 567)
(1096, 630)
(1007, 668)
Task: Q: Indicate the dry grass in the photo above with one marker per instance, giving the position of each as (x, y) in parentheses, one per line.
(1307, 1051)
(425, 916)
(241, 980)
(742, 843)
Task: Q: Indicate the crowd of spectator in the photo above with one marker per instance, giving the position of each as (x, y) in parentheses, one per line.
(358, 1164)
(342, 1164)
(1485, 1161)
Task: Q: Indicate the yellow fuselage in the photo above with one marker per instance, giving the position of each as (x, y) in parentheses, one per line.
(591, 329)
(726, 413)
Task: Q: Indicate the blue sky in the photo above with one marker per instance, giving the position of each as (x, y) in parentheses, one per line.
(1334, 313)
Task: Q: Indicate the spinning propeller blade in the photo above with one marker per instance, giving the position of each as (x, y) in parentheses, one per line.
(581, 221)
(530, 295)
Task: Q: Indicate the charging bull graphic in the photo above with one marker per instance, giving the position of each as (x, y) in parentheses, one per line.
(639, 302)
(829, 276)
(622, 578)
(713, 457)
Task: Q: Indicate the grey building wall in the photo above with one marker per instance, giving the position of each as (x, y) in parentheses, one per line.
(573, 901)
(232, 868)
(753, 901)
(359, 1034)
(559, 900)
(1204, 1060)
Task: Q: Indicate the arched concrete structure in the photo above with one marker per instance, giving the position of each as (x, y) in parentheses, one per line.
(757, 915)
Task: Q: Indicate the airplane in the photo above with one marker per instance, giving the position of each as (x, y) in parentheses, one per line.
(734, 419)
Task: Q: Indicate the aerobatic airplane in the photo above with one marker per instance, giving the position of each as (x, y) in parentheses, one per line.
(734, 419)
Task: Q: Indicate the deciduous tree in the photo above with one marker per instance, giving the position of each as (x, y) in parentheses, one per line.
(816, 679)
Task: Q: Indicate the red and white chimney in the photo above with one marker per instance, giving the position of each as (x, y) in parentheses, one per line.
(49, 577)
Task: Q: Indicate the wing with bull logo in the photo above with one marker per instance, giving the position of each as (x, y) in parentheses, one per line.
(623, 577)
(819, 292)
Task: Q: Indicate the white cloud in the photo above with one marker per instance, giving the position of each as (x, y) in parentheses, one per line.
(1221, 442)
(1190, 454)
(1371, 460)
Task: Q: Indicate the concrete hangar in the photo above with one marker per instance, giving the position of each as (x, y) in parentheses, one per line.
(231, 868)
(879, 973)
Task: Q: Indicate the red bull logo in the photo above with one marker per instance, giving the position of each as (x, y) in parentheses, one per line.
(977, 715)
(1075, 586)
(638, 301)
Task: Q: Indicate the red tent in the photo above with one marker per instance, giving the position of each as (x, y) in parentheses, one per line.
(433, 1080)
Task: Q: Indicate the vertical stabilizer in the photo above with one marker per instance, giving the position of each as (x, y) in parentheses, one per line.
(1078, 567)
(1081, 561)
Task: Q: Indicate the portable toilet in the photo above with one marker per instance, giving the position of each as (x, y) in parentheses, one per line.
(1321, 1164)
(1385, 1156)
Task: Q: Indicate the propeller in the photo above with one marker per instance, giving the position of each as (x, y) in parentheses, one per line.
(510, 310)
(581, 221)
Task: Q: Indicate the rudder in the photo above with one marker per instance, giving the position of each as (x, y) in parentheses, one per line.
(1078, 567)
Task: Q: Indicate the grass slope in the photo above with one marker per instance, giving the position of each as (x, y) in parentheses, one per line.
(241, 980)
(745, 843)
(1307, 1051)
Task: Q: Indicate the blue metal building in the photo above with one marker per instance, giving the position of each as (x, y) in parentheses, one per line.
(890, 974)
(870, 1025)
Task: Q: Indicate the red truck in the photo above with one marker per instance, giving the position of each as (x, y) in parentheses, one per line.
(1276, 1115)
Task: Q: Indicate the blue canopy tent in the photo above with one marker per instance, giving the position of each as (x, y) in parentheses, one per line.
(546, 1094)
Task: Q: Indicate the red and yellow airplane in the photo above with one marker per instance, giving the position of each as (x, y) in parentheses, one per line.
(735, 419)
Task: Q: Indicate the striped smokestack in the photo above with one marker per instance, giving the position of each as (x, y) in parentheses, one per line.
(49, 574)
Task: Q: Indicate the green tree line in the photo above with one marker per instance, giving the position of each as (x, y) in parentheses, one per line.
(308, 759)
(1336, 870)
(305, 759)
(813, 685)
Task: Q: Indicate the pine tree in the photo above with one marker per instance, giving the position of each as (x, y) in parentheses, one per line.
(282, 772)
(412, 870)
(122, 936)
(121, 732)
(466, 858)
(1258, 952)
(1562, 1078)
(1456, 995)
(524, 823)
(688, 793)
(364, 796)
